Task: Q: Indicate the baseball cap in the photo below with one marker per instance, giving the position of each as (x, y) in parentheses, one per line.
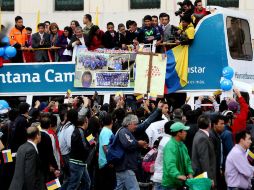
(178, 126)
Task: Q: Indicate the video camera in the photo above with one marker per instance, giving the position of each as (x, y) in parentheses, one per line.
(180, 10)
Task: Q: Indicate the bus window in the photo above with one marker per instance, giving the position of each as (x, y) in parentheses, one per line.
(14, 101)
(239, 39)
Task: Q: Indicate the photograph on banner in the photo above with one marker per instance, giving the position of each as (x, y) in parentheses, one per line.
(90, 63)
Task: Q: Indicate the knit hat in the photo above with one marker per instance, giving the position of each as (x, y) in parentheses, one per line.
(233, 106)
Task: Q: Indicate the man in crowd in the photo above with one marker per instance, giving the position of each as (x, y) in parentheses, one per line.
(155, 23)
(125, 171)
(28, 172)
(47, 24)
(238, 170)
(29, 36)
(110, 38)
(18, 38)
(186, 31)
(214, 133)
(199, 11)
(41, 40)
(77, 39)
(203, 154)
(176, 161)
(87, 20)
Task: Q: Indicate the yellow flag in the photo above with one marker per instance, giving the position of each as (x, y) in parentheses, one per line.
(38, 19)
(97, 16)
(203, 175)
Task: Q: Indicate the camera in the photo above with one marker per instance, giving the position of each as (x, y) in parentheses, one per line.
(180, 10)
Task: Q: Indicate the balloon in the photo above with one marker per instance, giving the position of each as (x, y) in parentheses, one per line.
(2, 52)
(6, 40)
(4, 105)
(226, 84)
(228, 72)
(10, 51)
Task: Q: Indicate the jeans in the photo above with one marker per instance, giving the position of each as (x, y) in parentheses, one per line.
(158, 186)
(107, 178)
(126, 180)
(66, 172)
(79, 174)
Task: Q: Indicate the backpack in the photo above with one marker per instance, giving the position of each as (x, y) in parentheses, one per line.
(149, 160)
(115, 152)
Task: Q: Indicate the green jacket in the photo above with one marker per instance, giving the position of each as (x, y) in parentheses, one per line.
(176, 162)
(87, 29)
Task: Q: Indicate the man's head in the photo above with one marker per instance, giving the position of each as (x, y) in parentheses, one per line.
(41, 28)
(23, 108)
(178, 130)
(155, 21)
(107, 120)
(160, 17)
(130, 122)
(19, 21)
(167, 126)
(218, 123)
(204, 122)
(186, 20)
(165, 108)
(165, 19)
(243, 138)
(72, 116)
(110, 27)
(29, 31)
(121, 28)
(83, 122)
(133, 26)
(198, 5)
(78, 32)
(87, 19)
(178, 114)
(187, 5)
(148, 20)
(33, 134)
(45, 122)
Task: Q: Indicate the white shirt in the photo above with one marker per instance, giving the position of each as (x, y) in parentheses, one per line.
(64, 137)
(35, 146)
(158, 165)
(205, 131)
(155, 130)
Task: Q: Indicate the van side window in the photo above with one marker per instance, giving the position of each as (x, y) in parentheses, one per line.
(239, 39)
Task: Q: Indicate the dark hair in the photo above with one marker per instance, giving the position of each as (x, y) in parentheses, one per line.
(72, 116)
(29, 29)
(91, 34)
(197, 1)
(217, 118)
(120, 25)
(204, 122)
(76, 23)
(87, 73)
(185, 108)
(32, 132)
(241, 135)
(154, 16)
(167, 127)
(94, 126)
(110, 23)
(80, 101)
(128, 23)
(173, 134)
(45, 122)
(186, 18)
(162, 15)
(89, 17)
(148, 17)
(223, 106)
(41, 25)
(23, 107)
(81, 120)
(47, 22)
(119, 114)
(187, 2)
(17, 18)
(53, 120)
(13, 114)
(67, 28)
(133, 23)
(107, 119)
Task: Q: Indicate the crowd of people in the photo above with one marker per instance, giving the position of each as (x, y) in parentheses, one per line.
(154, 28)
(91, 146)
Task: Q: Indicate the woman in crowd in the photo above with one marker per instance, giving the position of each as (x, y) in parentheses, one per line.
(55, 33)
(63, 41)
(95, 38)
(74, 24)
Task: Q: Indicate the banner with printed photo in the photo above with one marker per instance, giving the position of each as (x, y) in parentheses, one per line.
(96, 70)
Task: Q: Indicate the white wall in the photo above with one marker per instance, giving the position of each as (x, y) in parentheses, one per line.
(116, 11)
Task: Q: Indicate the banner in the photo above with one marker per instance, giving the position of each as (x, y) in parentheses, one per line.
(158, 72)
(96, 70)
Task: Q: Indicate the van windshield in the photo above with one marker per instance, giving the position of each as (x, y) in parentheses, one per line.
(239, 39)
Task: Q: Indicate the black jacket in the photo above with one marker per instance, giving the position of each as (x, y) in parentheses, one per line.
(19, 136)
(127, 39)
(28, 174)
(77, 146)
(109, 41)
(46, 154)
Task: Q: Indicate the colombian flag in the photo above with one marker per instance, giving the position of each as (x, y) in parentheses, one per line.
(7, 156)
(140, 98)
(90, 139)
(152, 96)
(54, 184)
(177, 69)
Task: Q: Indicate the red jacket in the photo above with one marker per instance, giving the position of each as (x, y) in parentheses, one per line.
(199, 15)
(240, 121)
